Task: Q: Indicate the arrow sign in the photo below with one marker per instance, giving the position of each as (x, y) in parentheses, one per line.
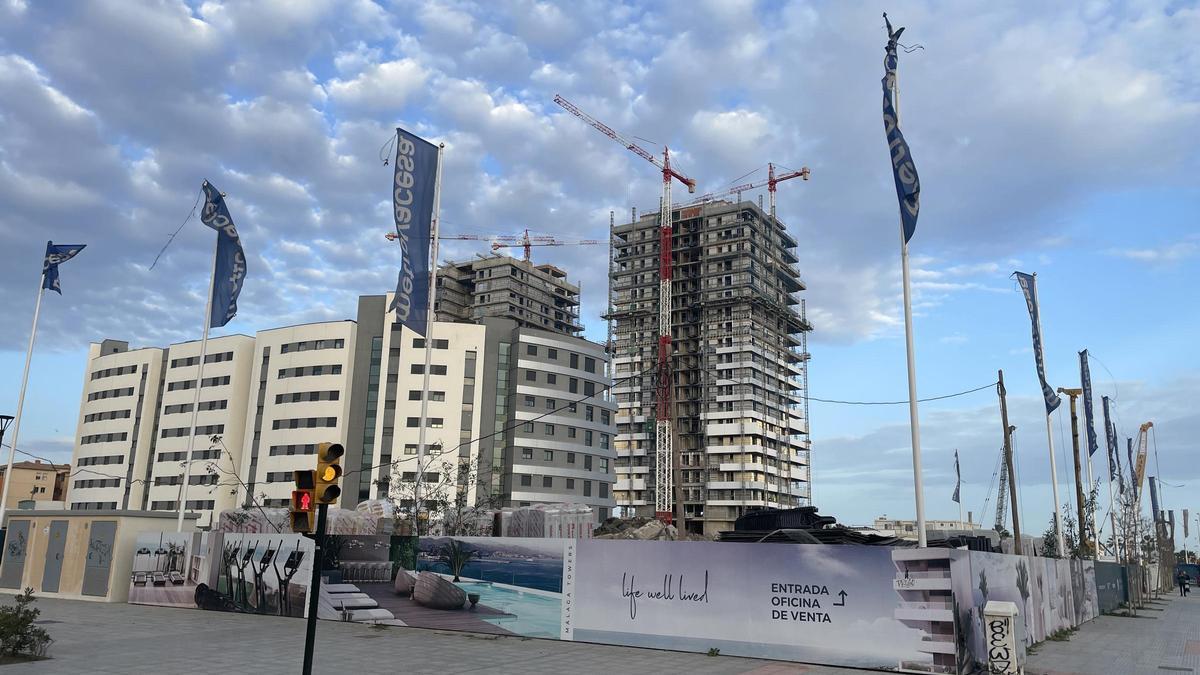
(842, 594)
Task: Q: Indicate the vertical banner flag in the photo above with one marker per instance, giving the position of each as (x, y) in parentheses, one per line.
(1129, 456)
(1085, 378)
(1110, 442)
(412, 201)
(1185, 525)
(957, 478)
(1154, 499)
(908, 186)
(1028, 284)
(57, 254)
(230, 270)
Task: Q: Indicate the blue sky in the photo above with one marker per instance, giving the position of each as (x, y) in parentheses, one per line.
(1058, 140)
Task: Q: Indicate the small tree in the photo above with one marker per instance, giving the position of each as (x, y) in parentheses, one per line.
(1050, 539)
(983, 587)
(456, 555)
(449, 506)
(18, 635)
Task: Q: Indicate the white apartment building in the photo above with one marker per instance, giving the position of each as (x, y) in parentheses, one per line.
(116, 430)
(212, 471)
(299, 396)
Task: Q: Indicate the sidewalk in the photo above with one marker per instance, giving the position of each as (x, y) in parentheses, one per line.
(116, 639)
(1164, 638)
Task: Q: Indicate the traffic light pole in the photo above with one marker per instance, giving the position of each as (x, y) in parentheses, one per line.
(314, 589)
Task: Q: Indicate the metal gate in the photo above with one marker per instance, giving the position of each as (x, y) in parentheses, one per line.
(54, 556)
(15, 544)
(99, 557)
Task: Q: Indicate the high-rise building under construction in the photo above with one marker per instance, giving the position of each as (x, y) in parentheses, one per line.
(738, 364)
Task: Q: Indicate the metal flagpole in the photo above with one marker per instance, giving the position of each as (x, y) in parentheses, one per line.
(914, 421)
(429, 323)
(1112, 515)
(187, 463)
(12, 444)
(1088, 497)
(1058, 521)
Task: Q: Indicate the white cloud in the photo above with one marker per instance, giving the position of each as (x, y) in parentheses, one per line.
(385, 86)
(1166, 254)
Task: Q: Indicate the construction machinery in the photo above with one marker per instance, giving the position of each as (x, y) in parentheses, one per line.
(665, 461)
(771, 183)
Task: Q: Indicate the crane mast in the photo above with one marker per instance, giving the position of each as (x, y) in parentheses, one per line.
(664, 451)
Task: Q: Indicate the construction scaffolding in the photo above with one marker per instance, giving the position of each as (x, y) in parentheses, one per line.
(738, 364)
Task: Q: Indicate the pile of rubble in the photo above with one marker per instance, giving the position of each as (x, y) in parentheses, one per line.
(642, 529)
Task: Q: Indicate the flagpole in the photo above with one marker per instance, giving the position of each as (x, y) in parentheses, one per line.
(914, 421)
(1112, 506)
(187, 464)
(1088, 497)
(12, 444)
(1058, 524)
(431, 317)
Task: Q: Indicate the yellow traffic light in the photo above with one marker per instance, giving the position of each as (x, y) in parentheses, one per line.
(303, 503)
(329, 472)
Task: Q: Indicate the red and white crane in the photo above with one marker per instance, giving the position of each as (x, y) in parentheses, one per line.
(524, 240)
(771, 182)
(664, 455)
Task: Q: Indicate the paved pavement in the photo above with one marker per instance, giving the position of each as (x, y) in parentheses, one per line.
(1163, 639)
(110, 639)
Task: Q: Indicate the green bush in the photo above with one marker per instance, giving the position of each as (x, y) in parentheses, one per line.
(18, 635)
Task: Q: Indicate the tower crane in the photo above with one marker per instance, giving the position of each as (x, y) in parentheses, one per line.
(771, 183)
(664, 453)
(525, 240)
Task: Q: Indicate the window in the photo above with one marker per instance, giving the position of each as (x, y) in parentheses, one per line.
(571, 432)
(531, 350)
(549, 430)
(574, 407)
(410, 448)
(589, 364)
(551, 378)
(548, 455)
(570, 483)
(589, 388)
(604, 441)
(103, 438)
(529, 427)
(531, 376)
(570, 458)
(589, 413)
(605, 417)
(526, 481)
(438, 370)
(573, 386)
(551, 353)
(436, 423)
(603, 490)
(530, 401)
(551, 404)
(587, 488)
(587, 462)
(574, 360)
(547, 481)
(526, 453)
(587, 437)
(603, 465)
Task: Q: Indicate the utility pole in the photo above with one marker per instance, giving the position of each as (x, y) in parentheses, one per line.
(1008, 461)
(1079, 498)
(314, 590)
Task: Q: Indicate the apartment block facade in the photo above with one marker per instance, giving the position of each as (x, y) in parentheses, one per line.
(497, 286)
(738, 363)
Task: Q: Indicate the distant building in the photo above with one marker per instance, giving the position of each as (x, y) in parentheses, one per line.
(497, 286)
(907, 529)
(36, 481)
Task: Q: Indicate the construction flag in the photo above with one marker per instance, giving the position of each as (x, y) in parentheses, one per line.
(1028, 284)
(1085, 378)
(908, 186)
(957, 479)
(414, 190)
(57, 254)
(230, 270)
(1110, 442)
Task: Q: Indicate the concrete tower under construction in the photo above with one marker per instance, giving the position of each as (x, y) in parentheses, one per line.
(739, 364)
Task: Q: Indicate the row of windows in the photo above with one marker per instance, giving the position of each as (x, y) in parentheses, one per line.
(306, 371)
(430, 477)
(589, 363)
(98, 483)
(217, 381)
(431, 422)
(103, 438)
(172, 456)
(294, 449)
(305, 396)
(415, 395)
(101, 460)
(419, 369)
(204, 430)
(304, 423)
(569, 484)
(220, 404)
(419, 343)
(93, 506)
(208, 358)
(548, 456)
(168, 480)
(589, 412)
(109, 415)
(111, 372)
(310, 345)
(280, 476)
(196, 504)
(572, 432)
(110, 393)
(589, 387)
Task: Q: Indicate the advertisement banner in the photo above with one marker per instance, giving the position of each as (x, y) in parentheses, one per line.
(1028, 284)
(1110, 441)
(414, 191)
(904, 172)
(230, 270)
(1085, 377)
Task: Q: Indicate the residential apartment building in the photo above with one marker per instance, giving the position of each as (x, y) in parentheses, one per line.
(298, 397)
(117, 426)
(497, 286)
(212, 471)
(738, 363)
(36, 481)
(516, 415)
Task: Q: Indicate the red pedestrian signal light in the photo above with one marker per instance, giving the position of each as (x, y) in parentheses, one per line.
(303, 503)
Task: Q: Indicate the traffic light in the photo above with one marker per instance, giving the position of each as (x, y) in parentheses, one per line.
(329, 472)
(304, 502)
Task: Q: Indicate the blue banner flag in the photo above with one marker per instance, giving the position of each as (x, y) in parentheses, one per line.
(908, 186)
(230, 269)
(957, 478)
(1028, 284)
(413, 193)
(56, 254)
(1085, 378)
(1129, 451)
(1110, 442)
(1154, 499)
